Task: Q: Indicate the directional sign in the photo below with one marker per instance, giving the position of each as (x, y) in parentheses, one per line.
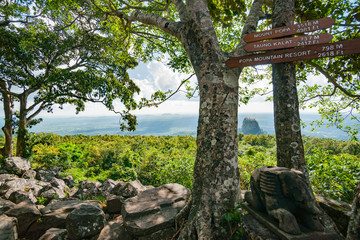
(308, 26)
(296, 54)
(288, 42)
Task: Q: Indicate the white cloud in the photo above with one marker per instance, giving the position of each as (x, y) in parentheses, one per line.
(164, 78)
(146, 88)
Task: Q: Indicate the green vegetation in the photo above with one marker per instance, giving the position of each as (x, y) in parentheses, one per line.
(334, 165)
(152, 160)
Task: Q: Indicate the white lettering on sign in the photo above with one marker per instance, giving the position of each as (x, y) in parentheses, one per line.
(282, 30)
(328, 48)
(283, 43)
(308, 23)
(305, 43)
(329, 51)
(297, 54)
(326, 54)
(261, 45)
(263, 34)
(245, 60)
(307, 26)
(266, 58)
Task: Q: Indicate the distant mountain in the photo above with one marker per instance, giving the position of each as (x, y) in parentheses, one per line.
(159, 125)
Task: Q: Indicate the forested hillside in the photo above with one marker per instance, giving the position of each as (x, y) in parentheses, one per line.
(334, 165)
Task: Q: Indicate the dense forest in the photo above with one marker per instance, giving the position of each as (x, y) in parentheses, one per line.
(334, 165)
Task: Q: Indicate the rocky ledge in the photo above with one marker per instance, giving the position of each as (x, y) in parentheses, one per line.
(41, 204)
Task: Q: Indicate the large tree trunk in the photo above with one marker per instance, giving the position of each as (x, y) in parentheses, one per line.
(7, 150)
(290, 149)
(21, 133)
(216, 174)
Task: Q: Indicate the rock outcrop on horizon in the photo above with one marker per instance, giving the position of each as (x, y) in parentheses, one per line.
(250, 126)
(41, 204)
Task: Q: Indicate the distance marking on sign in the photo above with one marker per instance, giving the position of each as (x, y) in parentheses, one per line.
(297, 54)
(308, 26)
(301, 41)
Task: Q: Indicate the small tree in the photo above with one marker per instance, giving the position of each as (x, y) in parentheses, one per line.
(43, 65)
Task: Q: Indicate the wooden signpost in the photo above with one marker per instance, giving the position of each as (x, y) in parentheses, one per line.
(301, 41)
(297, 54)
(300, 48)
(308, 26)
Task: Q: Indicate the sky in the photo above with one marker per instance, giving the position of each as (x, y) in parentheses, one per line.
(153, 76)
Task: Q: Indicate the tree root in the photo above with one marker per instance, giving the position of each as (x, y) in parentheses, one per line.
(182, 216)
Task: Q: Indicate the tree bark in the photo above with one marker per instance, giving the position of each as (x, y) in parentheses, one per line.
(353, 232)
(216, 174)
(7, 150)
(290, 149)
(21, 132)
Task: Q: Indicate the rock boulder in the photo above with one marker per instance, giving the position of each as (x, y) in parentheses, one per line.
(114, 230)
(54, 234)
(154, 209)
(8, 228)
(5, 205)
(17, 165)
(26, 213)
(338, 211)
(84, 221)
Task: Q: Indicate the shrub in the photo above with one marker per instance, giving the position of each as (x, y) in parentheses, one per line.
(259, 140)
(334, 175)
(247, 164)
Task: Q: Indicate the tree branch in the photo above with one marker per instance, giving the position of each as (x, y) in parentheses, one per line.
(149, 37)
(332, 80)
(155, 20)
(164, 24)
(320, 96)
(173, 93)
(129, 6)
(198, 10)
(4, 89)
(6, 22)
(250, 26)
(41, 107)
(181, 8)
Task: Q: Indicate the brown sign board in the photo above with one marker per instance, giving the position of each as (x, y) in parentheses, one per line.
(297, 54)
(308, 26)
(301, 41)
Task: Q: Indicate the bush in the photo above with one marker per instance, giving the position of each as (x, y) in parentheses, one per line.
(152, 160)
(334, 175)
(159, 160)
(247, 164)
(259, 140)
